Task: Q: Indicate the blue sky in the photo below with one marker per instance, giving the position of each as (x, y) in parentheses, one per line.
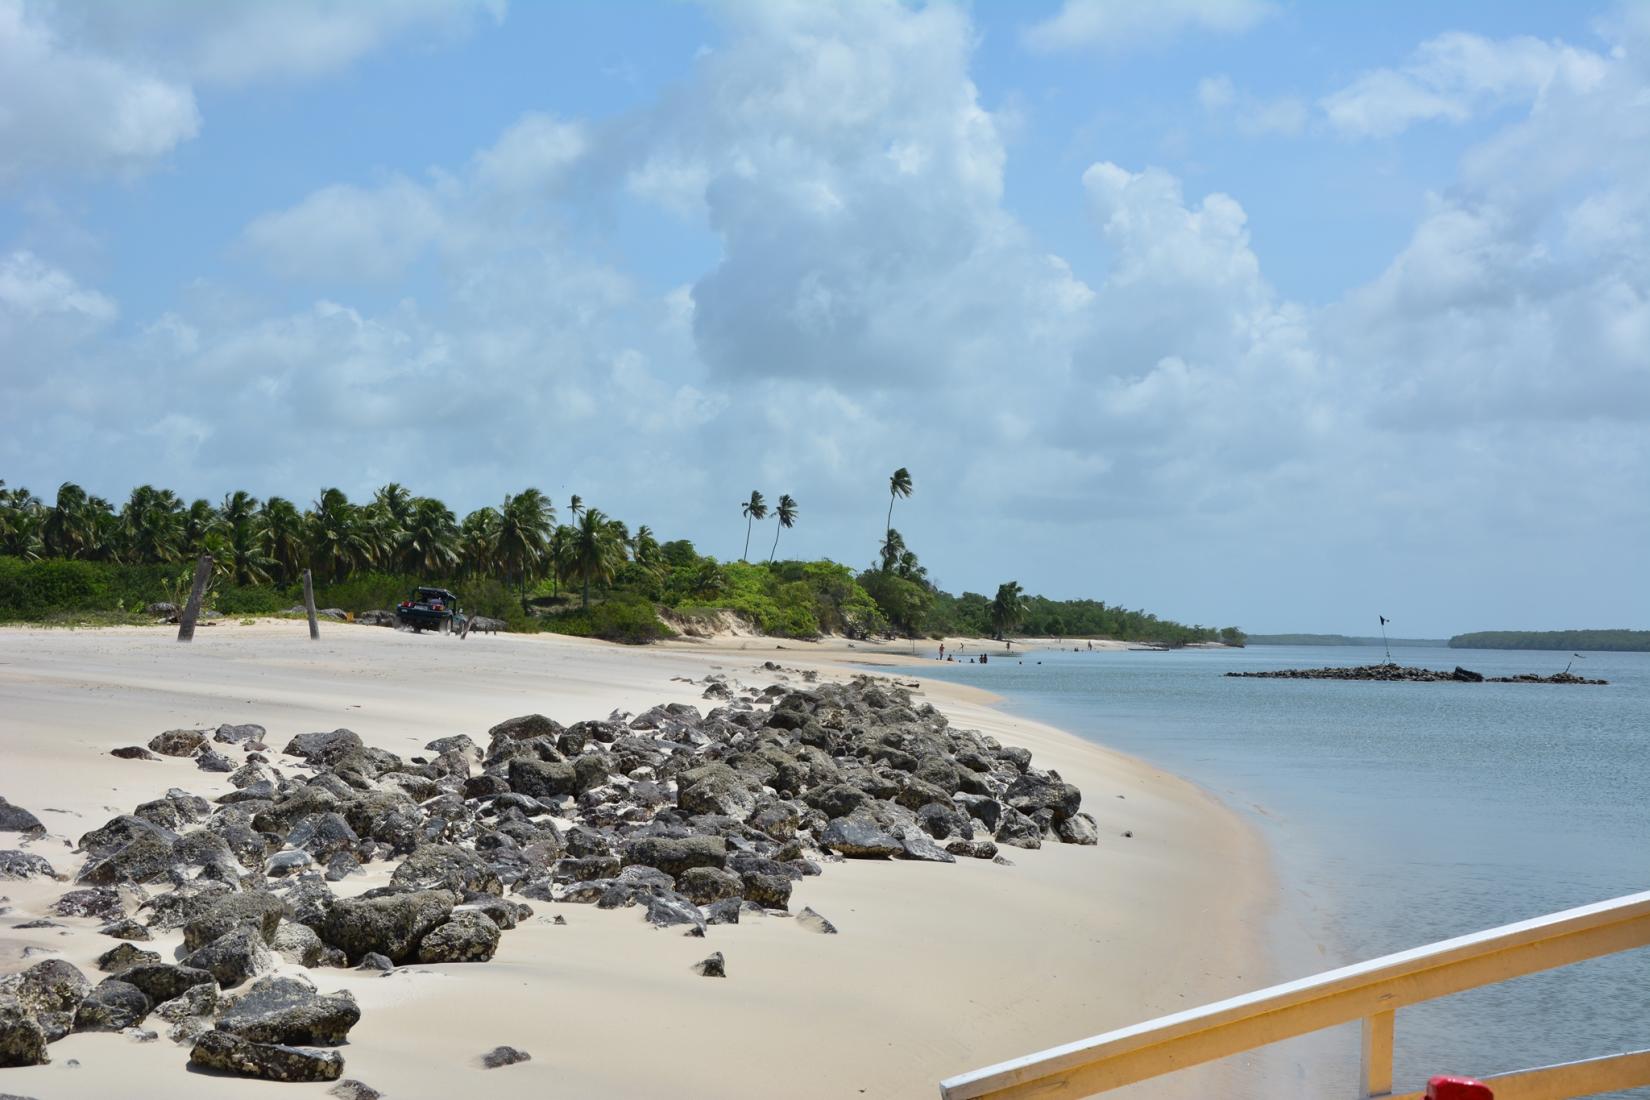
(1277, 314)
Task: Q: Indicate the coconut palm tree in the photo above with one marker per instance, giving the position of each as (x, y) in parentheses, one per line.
(1008, 607)
(478, 542)
(282, 528)
(69, 525)
(340, 542)
(525, 523)
(396, 501)
(753, 509)
(429, 539)
(594, 551)
(237, 543)
(893, 545)
(22, 516)
(899, 485)
(644, 548)
(785, 512)
(151, 525)
(199, 522)
(575, 507)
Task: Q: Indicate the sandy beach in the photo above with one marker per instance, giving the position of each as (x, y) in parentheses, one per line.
(937, 968)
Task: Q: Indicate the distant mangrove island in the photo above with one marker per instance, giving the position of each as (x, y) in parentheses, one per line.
(1635, 641)
(1340, 639)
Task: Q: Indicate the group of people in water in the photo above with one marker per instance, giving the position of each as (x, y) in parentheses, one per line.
(985, 658)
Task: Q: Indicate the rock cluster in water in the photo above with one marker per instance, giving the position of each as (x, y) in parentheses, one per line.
(1409, 674)
(692, 819)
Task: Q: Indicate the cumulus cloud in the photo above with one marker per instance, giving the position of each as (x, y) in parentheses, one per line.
(1457, 76)
(1113, 24)
(1250, 115)
(71, 110)
(110, 88)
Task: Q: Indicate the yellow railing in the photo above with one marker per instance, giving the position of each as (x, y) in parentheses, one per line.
(1371, 991)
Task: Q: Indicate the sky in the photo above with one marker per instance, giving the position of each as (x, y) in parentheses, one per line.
(1255, 312)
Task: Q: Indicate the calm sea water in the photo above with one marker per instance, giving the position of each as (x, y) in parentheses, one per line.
(1399, 814)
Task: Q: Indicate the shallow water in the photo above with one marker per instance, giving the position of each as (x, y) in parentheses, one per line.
(1399, 814)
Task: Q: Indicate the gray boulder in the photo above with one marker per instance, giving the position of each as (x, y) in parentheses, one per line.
(810, 921)
(713, 967)
(1079, 828)
(298, 943)
(146, 858)
(123, 956)
(102, 904)
(542, 778)
(178, 742)
(446, 867)
(323, 748)
(353, 1090)
(716, 789)
(504, 1056)
(1018, 831)
(211, 760)
(234, 957)
(21, 865)
(112, 1005)
(15, 819)
(50, 991)
(470, 936)
(858, 836)
(392, 926)
(227, 734)
(22, 1040)
(676, 855)
(666, 909)
(163, 981)
(706, 885)
(256, 910)
(230, 1054)
(289, 1010)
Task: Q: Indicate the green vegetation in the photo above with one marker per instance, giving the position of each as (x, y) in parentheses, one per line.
(81, 559)
(1637, 641)
(1341, 639)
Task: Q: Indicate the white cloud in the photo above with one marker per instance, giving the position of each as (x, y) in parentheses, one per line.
(1114, 24)
(29, 289)
(1455, 77)
(350, 233)
(1250, 115)
(109, 88)
(259, 40)
(63, 109)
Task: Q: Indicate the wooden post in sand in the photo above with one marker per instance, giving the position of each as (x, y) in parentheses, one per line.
(309, 606)
(192, 609)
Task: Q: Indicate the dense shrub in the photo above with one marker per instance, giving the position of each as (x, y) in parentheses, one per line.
(626, 618)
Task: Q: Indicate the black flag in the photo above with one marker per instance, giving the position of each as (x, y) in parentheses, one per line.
(1384, 619)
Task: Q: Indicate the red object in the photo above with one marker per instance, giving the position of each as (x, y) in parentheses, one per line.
(1458, 1088)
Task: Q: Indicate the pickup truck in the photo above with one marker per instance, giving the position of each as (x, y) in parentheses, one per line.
(430, 609)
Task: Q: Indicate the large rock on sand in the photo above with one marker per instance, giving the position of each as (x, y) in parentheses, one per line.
(471, 936)
(221, 1051)
(22, 1040)
(393, 926)
(289, 1010)
(446, 867)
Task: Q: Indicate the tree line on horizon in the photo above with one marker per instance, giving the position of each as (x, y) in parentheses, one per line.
(515, 561)
(1618, 641)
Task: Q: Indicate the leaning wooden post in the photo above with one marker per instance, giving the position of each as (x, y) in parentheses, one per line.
(192, 609)
(309, 606)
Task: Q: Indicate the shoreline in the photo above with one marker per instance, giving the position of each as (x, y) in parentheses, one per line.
(939, 969)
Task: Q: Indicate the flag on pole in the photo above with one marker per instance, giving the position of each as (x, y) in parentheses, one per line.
(1384, 619)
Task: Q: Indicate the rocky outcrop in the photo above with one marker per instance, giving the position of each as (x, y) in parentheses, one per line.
(392, 926)
(288, 1010)
(1411, 675)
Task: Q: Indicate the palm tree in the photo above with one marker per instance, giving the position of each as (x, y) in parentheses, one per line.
(339, 541)
(644, 547)
(22, 518)
(899, 485)
(200, 521)
(478, 542)
(69, 527)
(237, 543)
(575, 507)
(396, 502)
(429, 539)
(525, 523)
(151, 525)
(282, 527)
(909, 568)
(785, 513)
(893, 545)
(753, 509)
(1008, 607)
(594, 552)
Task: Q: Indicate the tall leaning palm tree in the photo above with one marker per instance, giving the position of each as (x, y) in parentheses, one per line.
(1008, 608)
(899, 485)
(785, 512)
(753, 509)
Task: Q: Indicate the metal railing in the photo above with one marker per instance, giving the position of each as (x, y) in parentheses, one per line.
(1371, 991)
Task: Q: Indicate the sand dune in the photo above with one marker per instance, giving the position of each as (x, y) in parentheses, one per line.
(938, 968)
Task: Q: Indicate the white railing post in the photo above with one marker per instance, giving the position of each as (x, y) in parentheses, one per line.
(1375, 1067)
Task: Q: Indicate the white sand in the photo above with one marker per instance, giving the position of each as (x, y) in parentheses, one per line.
(938, 968)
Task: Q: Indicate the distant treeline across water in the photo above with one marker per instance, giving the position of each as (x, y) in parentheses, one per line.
(1637, 641)
(1339, 639)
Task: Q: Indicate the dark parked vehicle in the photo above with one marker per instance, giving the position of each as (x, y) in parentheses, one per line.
(431, 609)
